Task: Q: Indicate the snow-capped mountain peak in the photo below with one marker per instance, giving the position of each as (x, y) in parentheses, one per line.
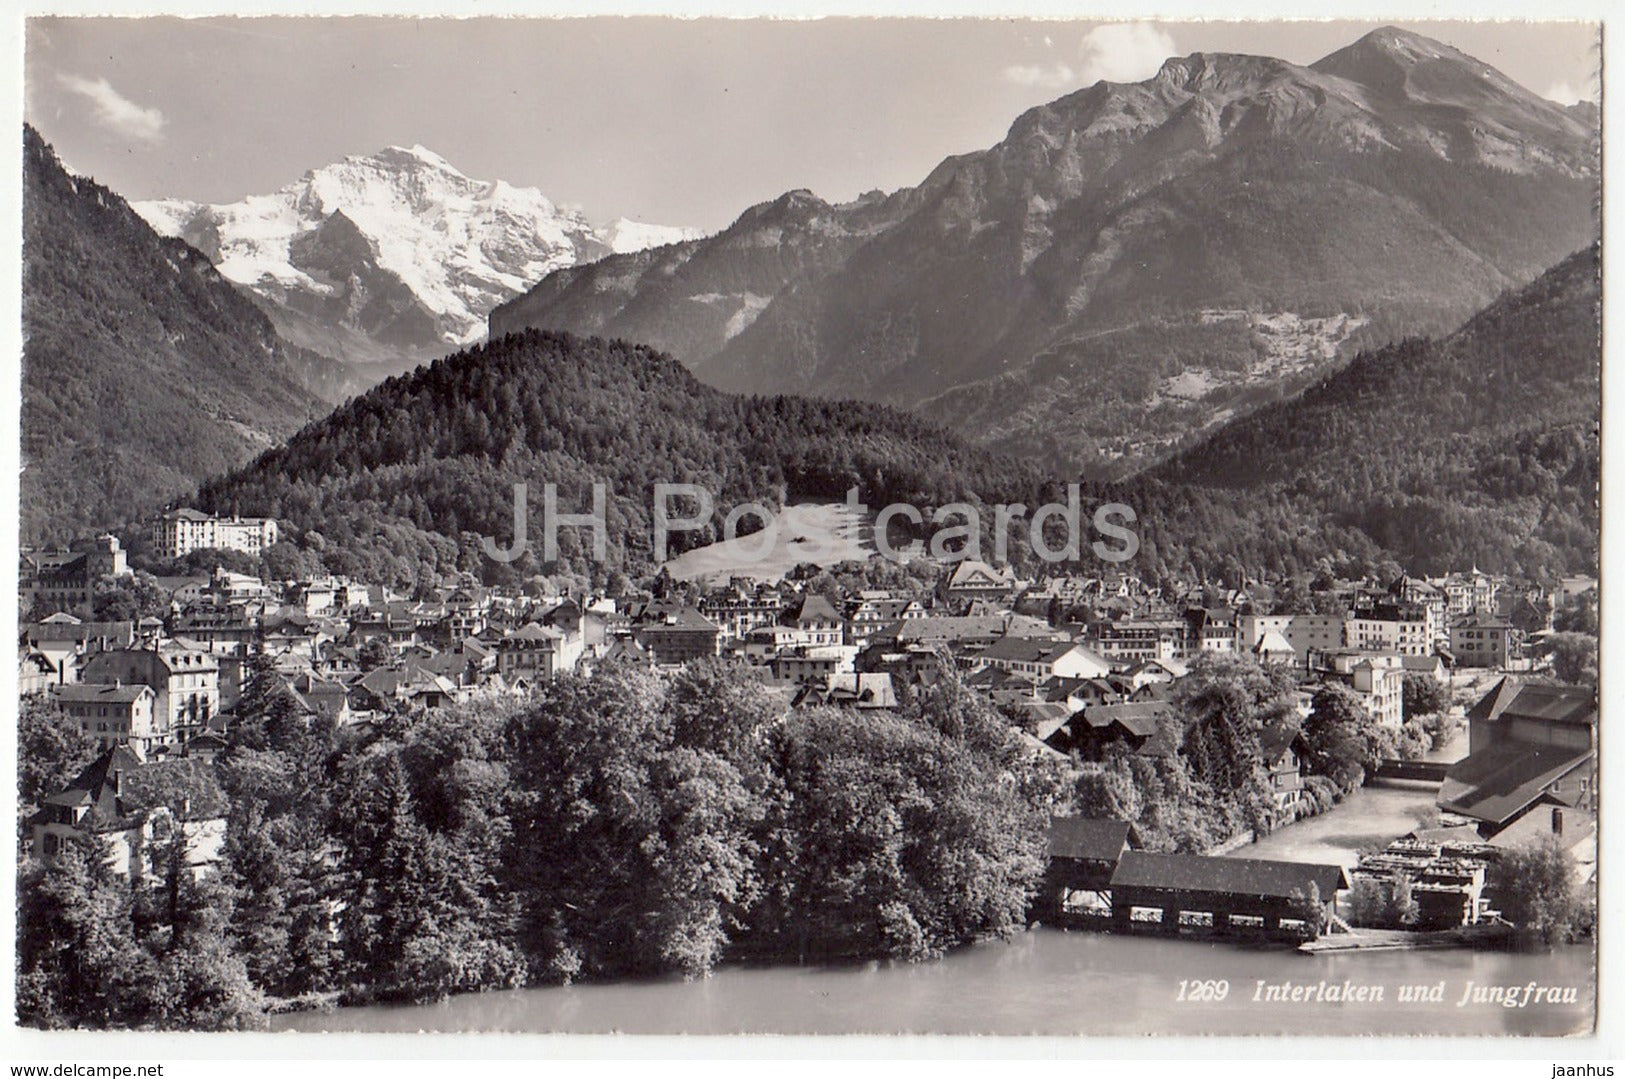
(624, 235)
(423, 254)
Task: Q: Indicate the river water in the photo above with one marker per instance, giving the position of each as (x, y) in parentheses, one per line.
(1044, 982)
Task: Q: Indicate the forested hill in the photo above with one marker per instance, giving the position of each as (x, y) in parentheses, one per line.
(143, 369)
(403, 480)
(1479, 447)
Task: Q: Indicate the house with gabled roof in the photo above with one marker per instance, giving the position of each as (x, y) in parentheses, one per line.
(1427, 667)
(870, 691)
(1273, 648)
(816, 619)
(1227, 891)
(1145, 728)
(972, 579)
(1076, 694)
(536, 653)
(678, 636)
(140, 807)
(36, 671)
(1530, 744)
(1083, 855)
(1041, 659)
(1210, 629)
(958, 632)
(625, 651)
(1281, 748)
(114, 715)
(1136, 640)
(868, 614)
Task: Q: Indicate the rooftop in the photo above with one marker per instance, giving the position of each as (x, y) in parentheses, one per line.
(1533, 700)
(1087, 838)
(1228, 876)
(1496, 784)
(85, 693)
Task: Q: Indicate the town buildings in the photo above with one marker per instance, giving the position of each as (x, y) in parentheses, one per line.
(66, 580)
(1090, 667)
(1481, 640)
(115, 715)
(185, 683)
(179, 532)
(1405, 628)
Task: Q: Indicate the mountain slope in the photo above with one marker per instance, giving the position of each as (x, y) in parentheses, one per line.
(1479, 447)
(397, 248)
(692, 298)
(1426, 452)
(1135, 262)
(143, 369)
(402, 481)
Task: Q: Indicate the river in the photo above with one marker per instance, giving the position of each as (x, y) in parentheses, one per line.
(1044, 982)
(1056, 983)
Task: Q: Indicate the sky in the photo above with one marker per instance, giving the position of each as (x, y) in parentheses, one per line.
(682, 122)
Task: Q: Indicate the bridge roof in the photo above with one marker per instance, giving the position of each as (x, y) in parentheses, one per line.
(1226, 876)
(1087, 838)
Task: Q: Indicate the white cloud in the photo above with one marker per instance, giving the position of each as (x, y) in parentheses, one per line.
(1124, 52)
(116, 111)
(1116, 52)
(1050, 75)
(1564, 93)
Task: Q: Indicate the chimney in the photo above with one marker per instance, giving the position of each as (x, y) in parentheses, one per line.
(1557, 820)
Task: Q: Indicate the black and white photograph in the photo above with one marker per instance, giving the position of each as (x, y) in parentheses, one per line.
(1026, 527)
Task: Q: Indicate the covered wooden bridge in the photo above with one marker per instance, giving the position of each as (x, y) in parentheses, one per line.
(1095, 881)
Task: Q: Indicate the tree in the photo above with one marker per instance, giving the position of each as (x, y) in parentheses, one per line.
(128, 599)
(1382, 904)
(51, 751)
(1225, 702)
(1307, 907)
(202, 983)
(276, 855)
(205, 986)
(374, 653)
(1534, 887)
(1368, 902)
(78, 962)
(890, 838)
(1402, 906)
(1574, 657)
(1424, 695)
(285, 561)
(632, 846)
(1344, 742)
(1578, 617)
(267, 713)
